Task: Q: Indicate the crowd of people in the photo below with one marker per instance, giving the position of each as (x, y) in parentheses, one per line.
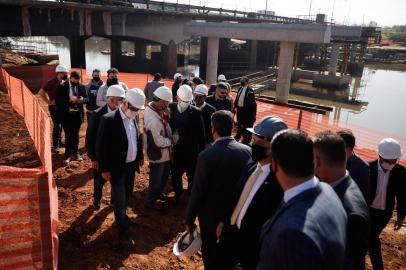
(277, 200)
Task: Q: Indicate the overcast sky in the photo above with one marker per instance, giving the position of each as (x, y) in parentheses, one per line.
(384, 12)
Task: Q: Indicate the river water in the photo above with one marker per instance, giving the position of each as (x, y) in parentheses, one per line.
(380, 92)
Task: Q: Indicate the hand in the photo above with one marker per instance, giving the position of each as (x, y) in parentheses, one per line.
(175, 139)
(399, 224)
(141, 163)
(74, 99)
(95, 165)
(106, 176)
(234, 111)
(219, 230)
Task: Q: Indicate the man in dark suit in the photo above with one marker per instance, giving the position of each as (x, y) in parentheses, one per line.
(70, 98)
(200, 94)
(256, 199)
(308, 231)
(246, 108)
(388, 183)
(119, 154)
(330, 156)
(220, 99)
(115, 95)
(356, 166)
(185, 120)
(217, 171)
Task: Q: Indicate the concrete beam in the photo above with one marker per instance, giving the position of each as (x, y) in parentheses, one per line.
(301, 33)
(346, 33)
(335, 50)
(212, 59)
(286, 52)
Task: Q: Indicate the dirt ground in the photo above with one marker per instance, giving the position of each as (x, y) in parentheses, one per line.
(88, 238)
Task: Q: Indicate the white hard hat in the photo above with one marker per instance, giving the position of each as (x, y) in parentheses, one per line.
(136, 98)
(390, 149)
(177, 75)
(115, 90)
(201, 89)
(185, 93)
(221, 77)
(163, 93)
(60, 68)
(187, 244)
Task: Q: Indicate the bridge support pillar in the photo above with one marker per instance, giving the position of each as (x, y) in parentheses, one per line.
(77, 51)
(353, 52)
(115, 52)
(212, 59)
(252, 60)
(286, 52)
(170, 58)
(140, 50)
(335, 50)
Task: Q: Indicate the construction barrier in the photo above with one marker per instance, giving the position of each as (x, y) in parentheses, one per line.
(28, 197)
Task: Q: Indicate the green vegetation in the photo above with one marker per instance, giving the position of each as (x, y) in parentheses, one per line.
(397, 33)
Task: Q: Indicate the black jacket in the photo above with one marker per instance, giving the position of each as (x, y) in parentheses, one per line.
(112, 144)
(225, 104)
(262, 207)
(247, 114)
(91, 132)
(217, 172)
(192, 135)
(359, 171)
(396, 188)
(207, 112)
(63, 102)
(357, 223)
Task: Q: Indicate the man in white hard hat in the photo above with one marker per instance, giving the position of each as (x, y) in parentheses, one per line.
(388, 183)
(112, 79)
(187, 121)
(151, 86)
(200, 95)
(213, 87)
(119, 155)
(115, 96)
(48, 92)
(176, 84)
(159, 142)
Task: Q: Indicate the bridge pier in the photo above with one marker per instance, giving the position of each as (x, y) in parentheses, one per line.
(170, 58)
(252, 60)
(212, 59)
(77, 51)
(140, 51)
(335, 50)
(285, 62)
(115, 52)
(353, 52)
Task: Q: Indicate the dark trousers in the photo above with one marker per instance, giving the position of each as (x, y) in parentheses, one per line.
(98, 184)
(57, 129)
(88, 115)
(71, 126)
(158, 177)
(242, 131)
(209, 247)
(182, 163)
(379, 219)
(122, 185)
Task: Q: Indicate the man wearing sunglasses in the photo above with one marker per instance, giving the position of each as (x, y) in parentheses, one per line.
(119, 155)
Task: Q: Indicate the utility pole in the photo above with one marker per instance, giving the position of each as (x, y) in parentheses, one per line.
(310, 8)
(332, 12)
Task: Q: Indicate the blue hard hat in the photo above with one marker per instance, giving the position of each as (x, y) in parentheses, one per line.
(268, 126)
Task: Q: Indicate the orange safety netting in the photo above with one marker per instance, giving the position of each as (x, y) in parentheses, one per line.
(28, 197)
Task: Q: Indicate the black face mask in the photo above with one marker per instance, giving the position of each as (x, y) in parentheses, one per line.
(112, 81)
(74, 84)
(96, 79)
(259, 152)
(65, 77)
(242, 84)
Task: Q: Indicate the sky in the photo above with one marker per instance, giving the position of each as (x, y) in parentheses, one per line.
(349, 12)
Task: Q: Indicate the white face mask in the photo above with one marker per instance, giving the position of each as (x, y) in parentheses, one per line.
(129, 113)
(387, 166)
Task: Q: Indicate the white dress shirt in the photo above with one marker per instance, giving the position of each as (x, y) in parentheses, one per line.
(242, 97)
(73, 90)
(379, 201)
(260, 180)
(132, 134)
(296, 190)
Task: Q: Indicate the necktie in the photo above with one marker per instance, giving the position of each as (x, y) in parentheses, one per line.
(244, 195)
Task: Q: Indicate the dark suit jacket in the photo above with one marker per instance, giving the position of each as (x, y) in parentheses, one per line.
(357, 223)
(359, 171)
(262, 207)
(91, 131)
(396, 188)
(112, 144)
(217, 172)
(207, 112)
(63, 102)
(308, 233)
(192, 135)
(247, 114)
(225, 104)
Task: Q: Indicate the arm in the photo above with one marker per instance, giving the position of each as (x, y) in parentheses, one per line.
(84, 94)
(159, 139)
(400, 193)
(100, 99)
(91, 136)
(252, 105)
(200, 130)
(103, 142)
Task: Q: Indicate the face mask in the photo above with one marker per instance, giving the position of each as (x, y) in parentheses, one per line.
(242, 83)
(130, 114)
(96, 79)
(65, 77)
(259, 152)
(387, 166)
(183, 105)
(112, 81)
(74, 84)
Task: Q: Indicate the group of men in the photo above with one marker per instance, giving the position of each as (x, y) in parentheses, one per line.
(278, 200)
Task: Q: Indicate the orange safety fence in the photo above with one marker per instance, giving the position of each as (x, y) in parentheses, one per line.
(28, 197)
